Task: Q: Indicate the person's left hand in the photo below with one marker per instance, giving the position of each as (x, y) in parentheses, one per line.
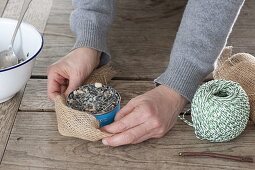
(150, 115)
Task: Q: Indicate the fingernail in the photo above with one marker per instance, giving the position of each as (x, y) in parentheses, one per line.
(104, 141)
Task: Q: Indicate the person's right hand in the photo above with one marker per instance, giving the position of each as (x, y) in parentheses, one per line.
(68, 73)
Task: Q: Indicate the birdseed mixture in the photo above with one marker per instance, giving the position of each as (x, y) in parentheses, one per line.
(94, 98)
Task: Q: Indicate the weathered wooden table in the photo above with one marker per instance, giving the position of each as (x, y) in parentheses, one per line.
(140, 42)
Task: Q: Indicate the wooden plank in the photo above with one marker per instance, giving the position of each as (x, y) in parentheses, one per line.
(15, 167)
(35, 96)
(243, 35)
(37, 9)
(8, 111)
(2, 6)
(141, 29)
(35, 143)
(142, 36)
(58, 38)
(144, 29)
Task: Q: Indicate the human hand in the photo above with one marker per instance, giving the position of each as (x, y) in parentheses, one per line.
(68, 73)
(150, 115)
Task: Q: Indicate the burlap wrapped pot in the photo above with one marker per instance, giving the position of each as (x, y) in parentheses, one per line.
(79, 124)
(240, 68)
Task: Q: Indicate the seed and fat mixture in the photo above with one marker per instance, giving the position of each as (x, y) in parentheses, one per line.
(94, 98)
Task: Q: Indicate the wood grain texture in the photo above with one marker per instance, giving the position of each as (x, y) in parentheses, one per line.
(141, 36)
(8, 111)
(243, 34)
(58, 38)
(37, 13)
(35, 143)
(144, 29)
(140, 41)
(35, 96)
(2, 6)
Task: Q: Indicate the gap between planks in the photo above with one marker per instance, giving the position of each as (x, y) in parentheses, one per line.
(35, 96)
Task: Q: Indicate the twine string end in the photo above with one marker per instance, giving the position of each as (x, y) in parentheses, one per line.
(217, 155)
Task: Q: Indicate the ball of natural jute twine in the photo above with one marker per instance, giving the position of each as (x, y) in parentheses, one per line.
(74, 123)
(240, 68)
(219, 111)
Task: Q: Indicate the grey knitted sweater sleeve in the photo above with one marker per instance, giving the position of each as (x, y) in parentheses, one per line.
(90, 21)
(202, 34)
(204, 29)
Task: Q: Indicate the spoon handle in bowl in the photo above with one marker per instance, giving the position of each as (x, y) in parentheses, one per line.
(22, 14)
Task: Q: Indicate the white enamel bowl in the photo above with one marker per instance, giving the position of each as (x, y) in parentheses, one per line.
(28, 44)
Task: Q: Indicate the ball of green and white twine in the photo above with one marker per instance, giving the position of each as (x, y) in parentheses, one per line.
(219, 111)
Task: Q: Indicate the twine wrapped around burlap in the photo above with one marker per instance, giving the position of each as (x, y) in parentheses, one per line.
(240, 68)
(79, 124)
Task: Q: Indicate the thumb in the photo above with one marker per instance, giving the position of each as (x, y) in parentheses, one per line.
(74, 83)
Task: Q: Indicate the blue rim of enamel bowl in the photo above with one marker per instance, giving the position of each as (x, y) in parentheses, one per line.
(31, 58)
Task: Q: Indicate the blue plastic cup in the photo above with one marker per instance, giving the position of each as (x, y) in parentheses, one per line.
(107, 118)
